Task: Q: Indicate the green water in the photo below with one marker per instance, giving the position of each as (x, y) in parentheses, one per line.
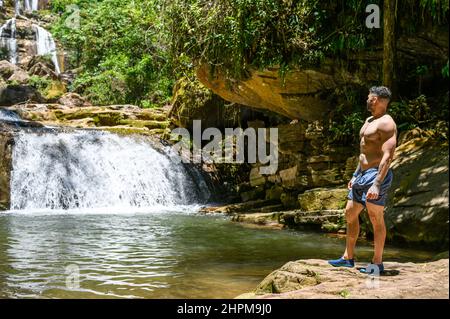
(152, 255)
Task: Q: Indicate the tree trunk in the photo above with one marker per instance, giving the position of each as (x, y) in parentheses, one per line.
(389, 77)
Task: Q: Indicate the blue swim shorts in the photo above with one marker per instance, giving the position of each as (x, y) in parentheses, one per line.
(364, 181)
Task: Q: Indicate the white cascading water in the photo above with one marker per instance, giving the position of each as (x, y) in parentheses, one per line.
(6, 115)
(46, 45)
(87, 169)
(25, 5)
(31, 5)
(8, 40)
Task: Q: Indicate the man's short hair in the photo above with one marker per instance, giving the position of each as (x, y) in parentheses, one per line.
(381, 91)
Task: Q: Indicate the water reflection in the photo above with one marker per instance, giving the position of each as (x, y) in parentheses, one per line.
(151, 255)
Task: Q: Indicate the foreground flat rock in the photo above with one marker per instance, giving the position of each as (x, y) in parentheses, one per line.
(315, 279)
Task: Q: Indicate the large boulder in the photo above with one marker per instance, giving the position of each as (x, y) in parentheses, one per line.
(72, 100)
(14, 86)
(43, 70)
(301, 94)
(17, 93)
(13, 73)
(316, 279)
(323, 198)
(418, 206)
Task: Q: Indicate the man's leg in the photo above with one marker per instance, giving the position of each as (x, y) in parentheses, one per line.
(352, 211)
(376, 215)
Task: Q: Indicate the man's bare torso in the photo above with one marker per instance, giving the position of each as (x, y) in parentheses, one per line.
(373, 134)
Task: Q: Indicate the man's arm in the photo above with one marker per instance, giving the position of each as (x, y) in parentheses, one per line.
(350, 183)
(389, 132)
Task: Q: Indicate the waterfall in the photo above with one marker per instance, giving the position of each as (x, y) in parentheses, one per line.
(17, 7)
(89, 169)
(31, 5)
(46, 45)
(6, 115)
(8, 39)
(25, 5)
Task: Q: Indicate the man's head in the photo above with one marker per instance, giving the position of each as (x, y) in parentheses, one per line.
(378, 99)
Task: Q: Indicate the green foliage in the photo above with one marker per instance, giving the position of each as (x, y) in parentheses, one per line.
(46, 87)
(233, 35)
(438, 9)
(346, 129)
(122, 50)
(411, 113)
(445, 72)
(237, 35)
(4, 55)
(39, 83)
(128, 51)
(344, 293)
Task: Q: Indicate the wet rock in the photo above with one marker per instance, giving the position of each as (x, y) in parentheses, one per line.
(262, 219)
(237, 208)
(325, 220)
(122, 119)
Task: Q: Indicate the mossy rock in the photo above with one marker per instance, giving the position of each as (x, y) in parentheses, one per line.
(150, 124)
(289, 200)
(156, 125)
(443, 255)
(256, 193)
(274, 192)
(126, 130)
(108, 119)
(292, 276)
(151, 115)
(323, 199)
(54, 91)
(330, 227)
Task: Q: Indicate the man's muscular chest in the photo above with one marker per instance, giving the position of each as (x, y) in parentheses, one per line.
(369, 131)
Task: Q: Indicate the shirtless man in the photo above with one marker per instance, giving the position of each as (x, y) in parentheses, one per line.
(371, 179)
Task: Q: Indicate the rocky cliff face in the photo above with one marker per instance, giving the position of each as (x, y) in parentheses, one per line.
(306, 93)
(6, 142)
(309, 187)
(301, 94)
(418, 209)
